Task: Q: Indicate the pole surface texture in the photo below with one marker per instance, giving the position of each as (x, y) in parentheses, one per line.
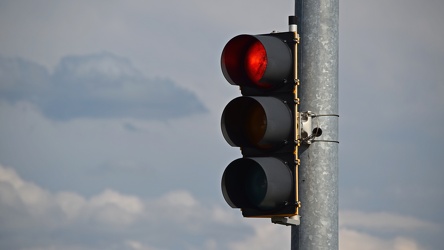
(318, 93)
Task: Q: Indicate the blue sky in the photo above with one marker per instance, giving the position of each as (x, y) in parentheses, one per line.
(110, 124)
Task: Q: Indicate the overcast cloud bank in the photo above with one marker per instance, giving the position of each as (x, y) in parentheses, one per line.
(35, 218)
(94, 86)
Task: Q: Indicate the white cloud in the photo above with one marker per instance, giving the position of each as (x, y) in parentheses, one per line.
(15, 192)
(352, 240)
(177, 214)
(384, 221)
(123, 220)
(179, 198)
(267, 236)
(113, 208)
(135, 245)
(71, 204)
(352, 233)
(358, 230)
(109, 208)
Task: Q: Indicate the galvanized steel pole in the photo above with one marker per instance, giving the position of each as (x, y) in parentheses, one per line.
(318, 93)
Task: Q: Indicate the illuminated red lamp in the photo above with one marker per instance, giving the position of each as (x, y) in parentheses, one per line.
(260, 61)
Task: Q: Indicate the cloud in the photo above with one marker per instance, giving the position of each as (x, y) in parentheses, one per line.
(31, 217)
(266, 236)
(352, 240)
(384, 221)
(384, 230)
(34, 204)
(94, 86)
(352, 233)
(113, 208)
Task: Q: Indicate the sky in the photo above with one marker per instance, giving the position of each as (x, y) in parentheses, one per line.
(110, 124)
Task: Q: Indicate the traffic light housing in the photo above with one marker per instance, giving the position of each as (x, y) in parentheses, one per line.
(263, 123)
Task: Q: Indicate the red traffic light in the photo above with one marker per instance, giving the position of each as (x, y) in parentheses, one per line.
(256, 61)
(262, 124)
(261, 61)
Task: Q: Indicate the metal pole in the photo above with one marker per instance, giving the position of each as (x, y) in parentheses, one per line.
(318, 93)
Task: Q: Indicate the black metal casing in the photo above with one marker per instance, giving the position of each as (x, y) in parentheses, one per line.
(262, 123)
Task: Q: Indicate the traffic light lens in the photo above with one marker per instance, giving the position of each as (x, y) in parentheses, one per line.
(255, 123)
(256, 185)
(259, 122)
(262, 183)
(256, 62)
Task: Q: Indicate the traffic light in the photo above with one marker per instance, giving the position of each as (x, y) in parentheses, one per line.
(263, 123)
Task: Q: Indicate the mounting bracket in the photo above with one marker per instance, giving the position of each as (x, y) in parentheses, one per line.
(287, 221)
